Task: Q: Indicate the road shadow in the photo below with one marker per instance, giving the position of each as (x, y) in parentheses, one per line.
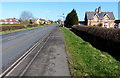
(111, 47)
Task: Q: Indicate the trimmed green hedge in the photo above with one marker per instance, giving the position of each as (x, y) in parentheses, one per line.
(105, 39)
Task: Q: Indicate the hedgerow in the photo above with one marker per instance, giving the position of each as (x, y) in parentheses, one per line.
(105, 39)
(8, 28)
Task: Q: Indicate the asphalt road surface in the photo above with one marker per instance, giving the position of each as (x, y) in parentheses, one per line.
(15, 44)
(51, 59)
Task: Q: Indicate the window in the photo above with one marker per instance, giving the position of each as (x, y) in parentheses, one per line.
(106, 19)
(95, 19)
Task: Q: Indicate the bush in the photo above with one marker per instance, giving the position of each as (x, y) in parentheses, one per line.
(100, 25)
(105, 39)
(8, 28)
(85, 60)
(105, 33)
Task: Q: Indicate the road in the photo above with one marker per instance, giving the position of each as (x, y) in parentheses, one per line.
(49, 58)
(15, 44)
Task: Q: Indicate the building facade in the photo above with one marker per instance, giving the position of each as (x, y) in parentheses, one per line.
(42, 21)
(10, 21)
(99, 18)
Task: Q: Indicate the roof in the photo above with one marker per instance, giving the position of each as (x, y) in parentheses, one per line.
(9, 20)
(90, 15)
(42, 19)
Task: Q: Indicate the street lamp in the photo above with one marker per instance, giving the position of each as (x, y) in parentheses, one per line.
(63, 18)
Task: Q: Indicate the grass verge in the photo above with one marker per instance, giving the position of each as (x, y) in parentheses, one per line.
(5, 32)
(85, 60)
(10, 25)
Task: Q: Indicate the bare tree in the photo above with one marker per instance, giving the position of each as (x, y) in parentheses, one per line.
(25, 17)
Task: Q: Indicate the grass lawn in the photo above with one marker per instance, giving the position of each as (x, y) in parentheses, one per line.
(10, 25)
(85, 60)
(5, 32)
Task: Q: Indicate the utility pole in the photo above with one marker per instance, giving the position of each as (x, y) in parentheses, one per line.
(63, 18)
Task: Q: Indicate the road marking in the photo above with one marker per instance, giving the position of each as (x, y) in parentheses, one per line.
(12, 38)
(16, 62)
(35, 56)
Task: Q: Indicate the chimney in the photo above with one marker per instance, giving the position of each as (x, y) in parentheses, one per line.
(99, 9)
(96, 10)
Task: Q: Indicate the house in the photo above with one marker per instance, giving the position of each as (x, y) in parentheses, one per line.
(10, 21)
(40, 21)
(99, 18)
(43, 21)
(48, 22)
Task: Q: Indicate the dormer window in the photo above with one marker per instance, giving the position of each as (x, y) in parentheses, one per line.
(106, 19)
(95, 19)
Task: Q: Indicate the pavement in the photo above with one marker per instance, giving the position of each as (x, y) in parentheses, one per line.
(52, 60)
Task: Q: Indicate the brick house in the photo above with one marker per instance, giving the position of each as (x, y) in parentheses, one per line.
(10, 21)
(99, 18)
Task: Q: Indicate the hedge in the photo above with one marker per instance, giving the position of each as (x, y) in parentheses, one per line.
(7, 28)
(105, 39)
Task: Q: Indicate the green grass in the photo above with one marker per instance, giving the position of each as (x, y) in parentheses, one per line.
(5, 32)
(85, 60)
(10, 25)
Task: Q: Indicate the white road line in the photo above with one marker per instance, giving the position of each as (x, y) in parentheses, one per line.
(34, 58)
(31, 49)
(11, 38)
(17, 62)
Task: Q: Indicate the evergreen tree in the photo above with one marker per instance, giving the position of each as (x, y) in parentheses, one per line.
(30, 21)
(71, 19)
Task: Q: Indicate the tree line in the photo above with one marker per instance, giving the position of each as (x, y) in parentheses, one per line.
(26, 18)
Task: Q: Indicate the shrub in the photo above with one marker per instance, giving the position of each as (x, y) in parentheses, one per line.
(105, 33)
(105, 39)
(8, 28)
(100, 25)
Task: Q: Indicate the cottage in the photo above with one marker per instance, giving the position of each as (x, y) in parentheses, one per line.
(48, 22)
(10, 21)
(40, 21)
(99, 18)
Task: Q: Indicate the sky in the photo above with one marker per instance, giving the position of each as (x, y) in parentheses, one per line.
(60, 0)
(54, 10)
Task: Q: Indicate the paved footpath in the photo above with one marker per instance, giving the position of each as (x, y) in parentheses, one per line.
(52, 60)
